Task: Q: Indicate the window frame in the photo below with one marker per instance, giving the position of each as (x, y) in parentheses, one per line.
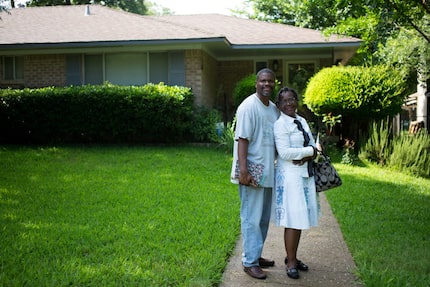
(17, 68)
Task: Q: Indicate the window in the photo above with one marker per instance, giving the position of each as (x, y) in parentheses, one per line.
(13, 67)
(299, 74)
(260, 65)
(158, 68)
(126, 69)
(168, 68)
(177, 68)
(94, 69)
(129, 68)
(73, 70)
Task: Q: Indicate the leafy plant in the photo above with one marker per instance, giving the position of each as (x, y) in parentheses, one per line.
(243, 89)
(104, 114)
(378, 146)
(411, 153)
(226, 140)
(203, 128)
(331, 120)
(360, 92)
(348, 156)
(408, 153)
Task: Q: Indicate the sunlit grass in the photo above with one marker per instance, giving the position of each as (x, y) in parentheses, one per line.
(115, 216)
(384, 217)
(168, 216)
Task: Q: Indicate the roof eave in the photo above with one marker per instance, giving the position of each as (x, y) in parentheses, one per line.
(298, 45)
(95, 44)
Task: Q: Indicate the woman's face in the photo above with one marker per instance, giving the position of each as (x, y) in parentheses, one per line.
(288, 104)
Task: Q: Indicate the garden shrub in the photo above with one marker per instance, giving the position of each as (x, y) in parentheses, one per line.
(365, 92)
(405, 152)
(378, 146)
(203, 128)
(226, 140)
(243, 89)
(99, 114)
(411, 153)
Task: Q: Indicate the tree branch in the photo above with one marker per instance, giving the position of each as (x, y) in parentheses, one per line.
(410, 20)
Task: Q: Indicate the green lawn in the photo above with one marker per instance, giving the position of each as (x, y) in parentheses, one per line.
(168, 216)
(115, 216)
(385, 220)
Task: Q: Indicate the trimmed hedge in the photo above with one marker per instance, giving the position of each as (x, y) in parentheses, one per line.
(99, 114)
(362, 92)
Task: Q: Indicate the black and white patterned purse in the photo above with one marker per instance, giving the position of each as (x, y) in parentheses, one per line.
(326, 176)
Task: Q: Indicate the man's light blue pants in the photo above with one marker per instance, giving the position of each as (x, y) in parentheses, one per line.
(255, 208)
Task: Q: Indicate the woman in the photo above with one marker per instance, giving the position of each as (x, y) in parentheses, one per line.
(296, 204)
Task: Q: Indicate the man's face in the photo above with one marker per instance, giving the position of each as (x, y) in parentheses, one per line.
(265, 84)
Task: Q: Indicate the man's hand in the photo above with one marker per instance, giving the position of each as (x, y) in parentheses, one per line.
(246, 179)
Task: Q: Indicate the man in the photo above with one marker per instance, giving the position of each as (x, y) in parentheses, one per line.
(253, 170)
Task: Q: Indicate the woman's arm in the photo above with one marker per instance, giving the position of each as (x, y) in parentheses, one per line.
(284, 146)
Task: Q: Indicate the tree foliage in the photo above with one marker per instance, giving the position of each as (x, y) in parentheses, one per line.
(374, 21)
(409, 53)
(133, 6)
(359, 92)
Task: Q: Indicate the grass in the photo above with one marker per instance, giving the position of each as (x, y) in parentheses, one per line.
(115, 216)
(168, 216)
(384, 217)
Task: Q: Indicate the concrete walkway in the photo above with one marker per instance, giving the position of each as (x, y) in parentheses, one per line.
(322, 248)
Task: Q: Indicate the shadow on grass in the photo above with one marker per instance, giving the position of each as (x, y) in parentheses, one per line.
(384, 219)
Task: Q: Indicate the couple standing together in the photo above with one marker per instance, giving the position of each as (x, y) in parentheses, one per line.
(266, 132)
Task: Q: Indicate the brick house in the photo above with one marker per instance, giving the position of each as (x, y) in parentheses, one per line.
(91, 44)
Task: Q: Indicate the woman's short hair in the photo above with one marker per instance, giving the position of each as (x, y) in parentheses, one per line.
(286, 90)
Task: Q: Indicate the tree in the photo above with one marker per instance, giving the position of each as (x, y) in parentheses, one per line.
(374, 21)
(358, 94)
(133, 6)
(381, 24)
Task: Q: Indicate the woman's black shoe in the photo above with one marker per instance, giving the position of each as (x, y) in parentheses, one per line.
(293, 273)
(300, 265)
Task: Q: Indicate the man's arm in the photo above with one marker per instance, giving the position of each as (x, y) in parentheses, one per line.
(244, 177)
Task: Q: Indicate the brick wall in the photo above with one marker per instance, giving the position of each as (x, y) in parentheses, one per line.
(201, 75)
(45, 70)
(193, 72)
(213, 82)
(229, 73)
(210, 83)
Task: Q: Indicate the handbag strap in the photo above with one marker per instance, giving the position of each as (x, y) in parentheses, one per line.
(323, 155)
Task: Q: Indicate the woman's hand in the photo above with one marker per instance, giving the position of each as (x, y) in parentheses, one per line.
(302, 161)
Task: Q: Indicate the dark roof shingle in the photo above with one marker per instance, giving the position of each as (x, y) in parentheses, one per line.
(69, 24)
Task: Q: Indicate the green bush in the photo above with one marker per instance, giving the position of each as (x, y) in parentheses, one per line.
(411, 153)
(364, 92)
(204, 121)
(408, 153)
(100, 114)
(226, 141)
(378, 146)
(243, 89)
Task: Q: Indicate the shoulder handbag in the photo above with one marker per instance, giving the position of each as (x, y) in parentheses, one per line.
(326, 176)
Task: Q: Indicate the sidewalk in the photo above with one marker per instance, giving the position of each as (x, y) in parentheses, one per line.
(322, 248)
